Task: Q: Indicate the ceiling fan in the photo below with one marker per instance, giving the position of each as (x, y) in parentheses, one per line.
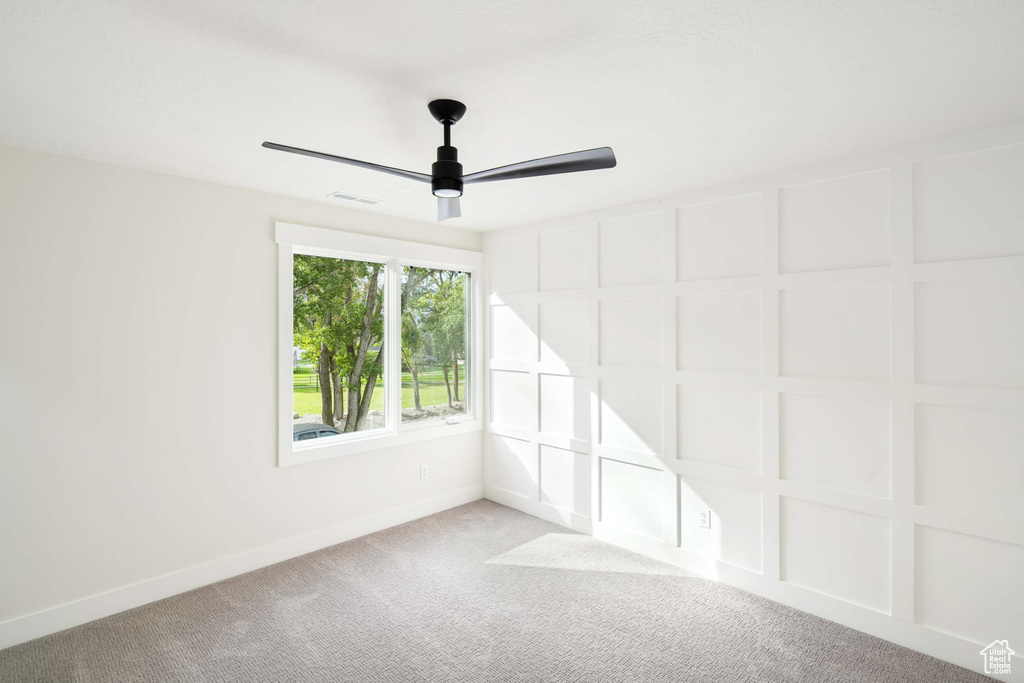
(446, 178)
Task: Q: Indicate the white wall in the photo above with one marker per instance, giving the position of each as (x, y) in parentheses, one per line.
(830, 360)
(138, 390)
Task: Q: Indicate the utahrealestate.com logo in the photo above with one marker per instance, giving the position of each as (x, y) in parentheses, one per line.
(997, 657)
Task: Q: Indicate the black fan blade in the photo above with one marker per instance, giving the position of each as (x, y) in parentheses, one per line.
(411, 175)
(587, 160)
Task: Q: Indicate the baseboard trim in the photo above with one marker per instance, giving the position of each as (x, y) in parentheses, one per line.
(42, 623)
(547, 512)
(917, 637)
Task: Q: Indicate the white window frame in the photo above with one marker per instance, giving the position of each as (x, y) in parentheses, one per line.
(299, 239)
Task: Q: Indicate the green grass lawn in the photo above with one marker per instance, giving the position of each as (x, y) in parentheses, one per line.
(307, 399)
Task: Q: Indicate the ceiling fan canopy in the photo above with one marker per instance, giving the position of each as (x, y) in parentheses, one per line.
(446, 177)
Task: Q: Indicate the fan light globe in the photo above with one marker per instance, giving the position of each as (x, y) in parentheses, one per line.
(445, 192)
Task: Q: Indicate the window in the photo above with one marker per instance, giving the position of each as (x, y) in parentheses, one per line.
(338, 338)
(378, 341)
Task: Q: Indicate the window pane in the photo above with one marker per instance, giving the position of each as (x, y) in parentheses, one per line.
(435, 348)
(338, 343)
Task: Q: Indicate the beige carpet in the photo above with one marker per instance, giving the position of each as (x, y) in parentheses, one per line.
(477, 593)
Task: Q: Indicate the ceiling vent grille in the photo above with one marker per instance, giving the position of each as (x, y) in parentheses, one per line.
(345, 197)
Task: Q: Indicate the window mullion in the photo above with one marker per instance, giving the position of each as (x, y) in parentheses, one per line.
(393, 369)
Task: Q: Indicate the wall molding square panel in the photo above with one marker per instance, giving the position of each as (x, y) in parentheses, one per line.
(720, 427)
(513, 334)
(840, 443)
(719, 332)
(632, 250)
(564, 259)
(829, 359)
(966, 586)
(970, 461)
(631, 415)
(631, 332)
(970, 333)
(631, 498)
(565, 406)
(563, 331)
(836, 552)
(513, 264)
(835, 224)
(512, 400)
(969, 206)
(513, 465)
(720, 239)
(836, 332)
(735, 533)
(565, 480)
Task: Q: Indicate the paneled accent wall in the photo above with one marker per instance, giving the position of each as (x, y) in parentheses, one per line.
(829, 362)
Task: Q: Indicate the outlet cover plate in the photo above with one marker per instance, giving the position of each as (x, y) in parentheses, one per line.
(705, 519)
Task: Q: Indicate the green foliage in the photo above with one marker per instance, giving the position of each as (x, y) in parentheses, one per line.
(330, 298)
(434, 316)
(447, 321)
(414, 340)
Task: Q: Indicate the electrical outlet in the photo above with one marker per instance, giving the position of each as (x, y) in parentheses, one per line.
(705, 519)
(423, 471)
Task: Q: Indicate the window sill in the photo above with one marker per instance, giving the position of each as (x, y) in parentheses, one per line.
(299, 453)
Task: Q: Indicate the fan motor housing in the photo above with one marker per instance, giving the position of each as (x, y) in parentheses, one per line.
(446, 172)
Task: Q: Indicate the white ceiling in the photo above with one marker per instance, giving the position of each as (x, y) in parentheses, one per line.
(687, 93)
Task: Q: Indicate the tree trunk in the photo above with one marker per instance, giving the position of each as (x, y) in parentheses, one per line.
(455, 367)
(339, 392)
(324, 373)
(358, 405)
(448, 385)
(364, 402)
(353, 404)
(416, 387)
